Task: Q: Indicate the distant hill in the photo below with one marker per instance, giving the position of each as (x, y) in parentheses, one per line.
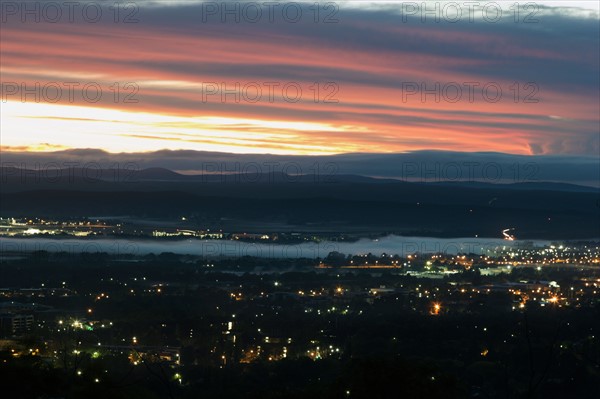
(15, 179)
(278, 201)
(545, 186)
(422, 166)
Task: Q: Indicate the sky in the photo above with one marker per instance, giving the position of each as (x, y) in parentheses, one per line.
(356, 77)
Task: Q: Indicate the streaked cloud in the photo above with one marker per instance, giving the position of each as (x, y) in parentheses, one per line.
(366, 63)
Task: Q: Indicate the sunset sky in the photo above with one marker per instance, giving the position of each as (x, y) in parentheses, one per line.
(356, 79)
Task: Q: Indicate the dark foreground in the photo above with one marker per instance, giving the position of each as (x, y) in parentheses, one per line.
(179, 327)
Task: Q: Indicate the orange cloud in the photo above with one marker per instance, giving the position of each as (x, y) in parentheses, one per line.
(364, 99)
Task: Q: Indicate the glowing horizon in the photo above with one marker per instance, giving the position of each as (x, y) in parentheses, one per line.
(194, 84)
